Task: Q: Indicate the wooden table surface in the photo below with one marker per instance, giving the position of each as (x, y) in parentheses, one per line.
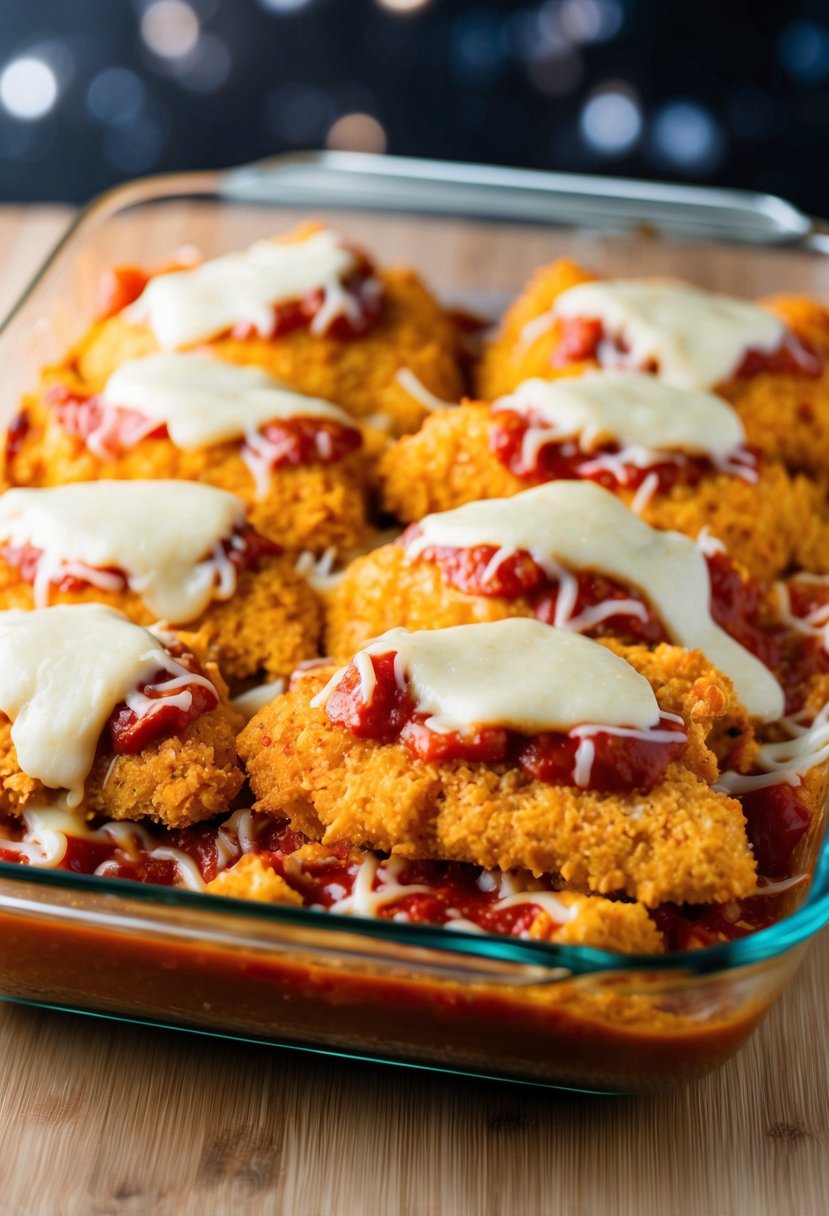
(99, 1118)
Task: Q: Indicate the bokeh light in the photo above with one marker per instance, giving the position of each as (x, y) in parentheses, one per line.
(402, 6)
(804, 51)
(28, 87)
(207, 67)
(686, 136)
(611, 121)
(356, 133)
(115, 95)
(284, 6)
(591, 20)
(170, 28)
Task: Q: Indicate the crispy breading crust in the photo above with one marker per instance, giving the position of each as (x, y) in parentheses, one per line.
(177, 781)
(269, 625)
(358, 374)
(767, 527)
(682, 842)
(250, 878)
(785, 416)
(314, 507)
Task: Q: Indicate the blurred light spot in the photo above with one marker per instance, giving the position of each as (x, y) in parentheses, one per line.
(556, 75)
(115, 95)
(477, 45)
(531, 34)
(403, 6)
(135, 146)
(28, 87)
(804, 50)
(170, 28)
(356, 133)
(299, 113)
(591, 20)
(207, 67)
(611, 121)
(687, 136)
(284, 6)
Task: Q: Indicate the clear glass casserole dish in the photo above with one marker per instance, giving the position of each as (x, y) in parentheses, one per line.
(563, 1015)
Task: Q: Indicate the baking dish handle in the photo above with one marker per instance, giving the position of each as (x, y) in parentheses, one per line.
(388, 183)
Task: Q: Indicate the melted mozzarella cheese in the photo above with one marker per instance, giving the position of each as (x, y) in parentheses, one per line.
(62, 672)
(583, 527)
(516, 673)
(203, 401)
(697, 338)
(191, 306)
(164, 535)
(630, 409)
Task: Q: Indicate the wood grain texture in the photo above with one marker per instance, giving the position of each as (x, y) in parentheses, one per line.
(101, 1119)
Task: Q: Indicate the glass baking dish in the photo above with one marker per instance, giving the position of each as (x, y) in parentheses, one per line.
(561, 1015)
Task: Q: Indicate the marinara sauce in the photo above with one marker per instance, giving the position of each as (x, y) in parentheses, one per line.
(619, 764)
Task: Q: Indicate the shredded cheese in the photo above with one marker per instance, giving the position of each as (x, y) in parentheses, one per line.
(696, 338)
(165, 536)
(194, 305)
(516, 673)
(62, 672)
(203, 401)
(650, 417)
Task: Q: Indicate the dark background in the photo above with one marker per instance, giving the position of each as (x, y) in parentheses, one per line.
(731, 93)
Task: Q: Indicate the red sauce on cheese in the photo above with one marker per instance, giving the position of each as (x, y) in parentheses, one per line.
(564, 460)
(584, 339)
(246, 549)
(16, 435)
(130, 732)
(736, 602)
(296, 441)
(619, 764)
(366, 305)
(122, 285)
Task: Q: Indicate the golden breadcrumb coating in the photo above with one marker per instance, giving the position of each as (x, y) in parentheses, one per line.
(785, 415)
(270, 624)
(250, 878)
(175, 781)
(682, 842)
(779, 521)
(358, 374)
(313, 506)
(604, 924)
(509, 358)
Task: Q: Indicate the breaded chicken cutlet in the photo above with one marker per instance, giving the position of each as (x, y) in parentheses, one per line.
(316, 316)
(771, 362)
(335, 756)
(175, 551)
(299, 464)
(767, 525)
(120, 722)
